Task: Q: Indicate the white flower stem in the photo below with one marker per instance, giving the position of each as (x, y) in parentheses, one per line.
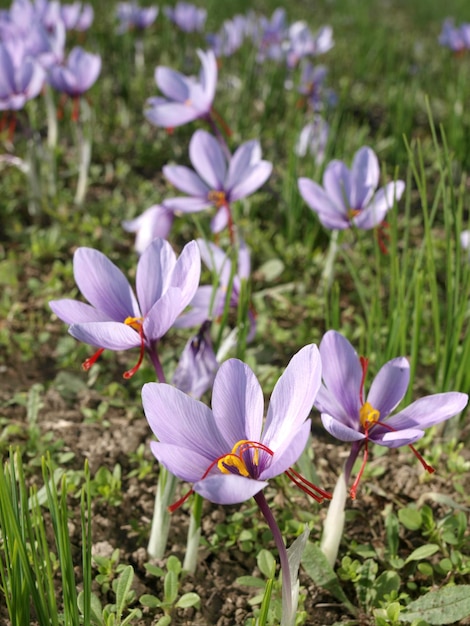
(334, 522)
(161, 517)
(194, 535)
(329, 269)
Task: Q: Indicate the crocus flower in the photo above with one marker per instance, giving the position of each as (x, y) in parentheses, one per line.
(115, 319)
(77, 16)
(314, 139)
(457, 38)
(302, 43)
(156, 221)
(270, 36)
(198, 364)
(229, 38)
(78, 74)
(188, 17)
(312, 86)
(227, 452)
(348, 196)
(216, 183)
(21, 77)
(209, 300)
(186, 99)
(350, 415)
(130, 16)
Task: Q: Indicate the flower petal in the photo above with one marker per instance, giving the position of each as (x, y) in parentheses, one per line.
(172, 84)
(184, 463)
(75, 312)
(429, 411)
(254, 178)
(104, 285)
(182, 204)
(389, 386)
(337, 184)
(208, 159)
(290, 455)
(237, 402)
(154, 271)
(330, 215)
(391, 439)
(170, 114)
(110, 335)
(365, 174)
(374, 213)
(186, 180)
(176, 418)
(228, 488)
(292, 399)
(339, 430)
(342, 373)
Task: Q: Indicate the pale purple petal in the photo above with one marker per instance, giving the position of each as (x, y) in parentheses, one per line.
(389, 386)
(330, 215)
(216, 260)
(75, 312)
(391, 439)
(186, 180)
(171, 114)
(172, 84)
(337, 184)
(208, 75)
(342, 372)
(243, 159)
(110, 335)
(182, 204)
(237, 402)
(187, 272)
(156, 221)
(253, 180)
(176, 418)
(292, 398)
(154, 271)
(365, 174)
(381, 203)
(326, 402)
(429, 411)
(208, 159)
(104, 285)
(283, 460)
(339, 430)
(220, 220)
(228, 488)
(185, 463)
(163, 314)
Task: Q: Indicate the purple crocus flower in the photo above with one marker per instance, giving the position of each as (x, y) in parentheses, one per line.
(77, 16)
(228, 453)
(130, 16)
(270, 36)
(198, 364)
(351, 416)
(186, 99)
(21, 77)
(115, 319)
(188, 17)
(216, 183)
(312, 87)
(348, 196)
(301, 42)
(457, 38)
(78, 74)
(314, 139)
(229, 38)
(156, 221)
(208, 303)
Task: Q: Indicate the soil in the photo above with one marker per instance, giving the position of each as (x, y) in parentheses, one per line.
(125, 526)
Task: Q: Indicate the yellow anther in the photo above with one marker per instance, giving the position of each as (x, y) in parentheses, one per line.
(353, 213)
(217, 198)
(134, 322)
(235, 458)
(368, 415)
(188, 102)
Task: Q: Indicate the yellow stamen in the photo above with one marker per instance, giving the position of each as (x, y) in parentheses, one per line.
(353, 213)
(235, 458)
(217, 198)
(368, 415)
(134, 322)
(188, 102)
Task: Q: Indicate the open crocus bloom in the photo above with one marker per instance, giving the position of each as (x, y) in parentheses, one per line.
(115, 319)
(350, 416)
(186, 98)
(348, 196)
(78, 75)
(227, 452)
(216, 183)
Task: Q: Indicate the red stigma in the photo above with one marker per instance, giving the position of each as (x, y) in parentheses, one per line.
(130, 373)
(307, 487)
(86, 365)
(223, 124)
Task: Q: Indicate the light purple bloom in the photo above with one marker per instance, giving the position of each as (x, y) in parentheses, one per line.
(130, 16)
(228, 453)
(216, 183)
(314, 139)
(156, 221)
(188, 17)
(115, 319)
(198, 364)
(186, 98)
(270, 36)
(78, 74)
(348, 196)
(457, 38)
(21, 77)
(301, 42)
(209, 300)
(312, 87)
(77, 16)
(229, 38)
(350, 415)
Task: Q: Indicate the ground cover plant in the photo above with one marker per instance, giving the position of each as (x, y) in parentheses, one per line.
(235, 275)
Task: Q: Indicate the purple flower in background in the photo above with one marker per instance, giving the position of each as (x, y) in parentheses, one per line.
(457, 38)
(216, 183)
(77, 16)
(301, 42)
(312, 87)
(348, 196)
(229, 38)
(270, 36)
(115, 319)
(350, 416)
(227, 452)
(78, 74)
(186, 99)
(154, 222)
(198, 364)
(314, 139)
(21, 77)
(208, 303)
(187, 16)
(130, 16)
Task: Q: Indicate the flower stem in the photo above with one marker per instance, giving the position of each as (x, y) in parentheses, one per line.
(153, 354)
(334, 522)
(161, 517)
(194, 535)
(287, 618)
(329, 269)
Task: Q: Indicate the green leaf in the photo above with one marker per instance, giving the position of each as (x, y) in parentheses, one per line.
(320, 571)
(170, 587)
(152, 602)
(266, 563)
(154, 570)
(423, 552)
(250, 581)
(123, 586)
(410, 518)
(164, 621)
(384, 585)
(187, 600)
(174, 565)
(445, 606)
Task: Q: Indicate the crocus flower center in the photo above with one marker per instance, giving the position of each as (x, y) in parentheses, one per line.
(218, 198)
(243, 459)
(134, 322)
(188, 103)
(368, 415)
(352, 213)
